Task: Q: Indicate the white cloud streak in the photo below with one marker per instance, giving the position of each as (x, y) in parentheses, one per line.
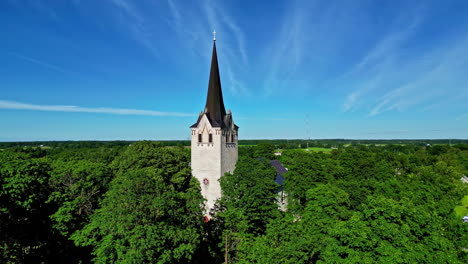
(175, 12)
(450, 100)
(145, 22)
(12, 105)
(41, 63)
(396, 75)
(285, 55)
(136, 23)
(307, 39)
(236, 61)
(438, 70)
(376, 63)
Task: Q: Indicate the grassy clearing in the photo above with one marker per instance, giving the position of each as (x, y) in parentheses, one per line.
(314, 149)
(462, 210)
(465, 200)
(324, 150)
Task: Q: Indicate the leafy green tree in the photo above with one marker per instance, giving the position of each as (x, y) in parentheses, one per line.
(305, 171)
(248, 200)
(264, 150)
(379, 205)
(78, 186)
(384, 231)
(358, 204)
(152, 211)
(463, 161)
(24, 221)
(246, 151)
(299, 238)
(387, 231)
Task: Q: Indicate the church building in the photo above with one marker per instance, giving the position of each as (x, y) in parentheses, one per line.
(214, 140)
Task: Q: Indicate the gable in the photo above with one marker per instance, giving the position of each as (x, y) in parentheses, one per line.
(203, 123)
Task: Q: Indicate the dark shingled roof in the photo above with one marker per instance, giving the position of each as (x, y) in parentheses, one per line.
(280, 169)
(214, 108)
(214, 100)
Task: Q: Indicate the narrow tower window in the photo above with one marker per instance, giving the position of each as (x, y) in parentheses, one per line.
(199, 138)
(210, 138)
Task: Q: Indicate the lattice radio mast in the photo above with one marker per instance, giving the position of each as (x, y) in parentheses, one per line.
(307, 129)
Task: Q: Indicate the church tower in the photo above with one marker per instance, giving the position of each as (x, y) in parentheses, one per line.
(214, 140)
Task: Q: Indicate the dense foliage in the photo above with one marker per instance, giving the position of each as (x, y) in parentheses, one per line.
(136, 202)
(388, 204)
(151, 212)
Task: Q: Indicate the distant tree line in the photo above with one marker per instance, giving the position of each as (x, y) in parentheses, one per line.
(279, 143)
(137, 202)
(86, 144)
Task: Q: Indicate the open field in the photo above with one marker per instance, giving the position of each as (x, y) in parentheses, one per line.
(325, 150)
(462, 210)
(311, 149)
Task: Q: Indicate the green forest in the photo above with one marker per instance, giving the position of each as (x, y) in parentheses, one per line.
(137, 202)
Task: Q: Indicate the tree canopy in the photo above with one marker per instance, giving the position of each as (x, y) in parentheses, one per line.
(137, 202)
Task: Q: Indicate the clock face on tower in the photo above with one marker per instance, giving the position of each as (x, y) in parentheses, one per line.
(206, 181)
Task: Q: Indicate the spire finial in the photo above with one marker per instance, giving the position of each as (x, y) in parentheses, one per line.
(214, 35)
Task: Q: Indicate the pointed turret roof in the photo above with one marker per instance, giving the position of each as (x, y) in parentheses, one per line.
(214, 107)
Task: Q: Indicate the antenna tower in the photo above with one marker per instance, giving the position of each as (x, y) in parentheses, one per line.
(307, 129)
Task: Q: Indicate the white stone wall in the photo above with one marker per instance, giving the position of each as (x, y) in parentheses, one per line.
(229, 153)
(210, 161)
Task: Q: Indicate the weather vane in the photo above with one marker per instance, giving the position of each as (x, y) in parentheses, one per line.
(214, 35)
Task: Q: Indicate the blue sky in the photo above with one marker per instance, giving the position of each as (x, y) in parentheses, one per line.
(132, 70)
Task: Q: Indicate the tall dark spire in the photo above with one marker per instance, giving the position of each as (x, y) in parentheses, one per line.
(214, 107)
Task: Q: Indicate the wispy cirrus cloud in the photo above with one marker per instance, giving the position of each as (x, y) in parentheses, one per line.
(12, 105)
(235, 51)
(436, 76)
(371, 70)
(134, 20)
(198, 22)
(397, 75)
(449, 100)
(220, 20)
(40, 62)
(189, 27)
(284, 55)
(175, 13)
(307, 40)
